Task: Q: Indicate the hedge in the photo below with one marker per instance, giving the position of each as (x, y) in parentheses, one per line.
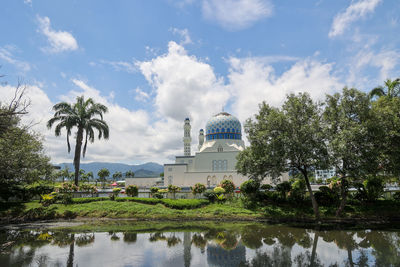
(184, 203)
(81, 200)
(151, 201)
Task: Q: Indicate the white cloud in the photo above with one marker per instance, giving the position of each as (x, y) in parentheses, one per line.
(184, 34)
(184, 86)
(236, 14)
(59, 40)
(6, 54)
(252, 81)
(28, 2)
(141, 95)
(354, 12)
(121, 65)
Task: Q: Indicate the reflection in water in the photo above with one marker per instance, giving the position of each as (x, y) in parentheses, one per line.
(200, 245)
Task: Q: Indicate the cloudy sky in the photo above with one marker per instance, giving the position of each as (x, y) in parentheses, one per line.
(153, 63)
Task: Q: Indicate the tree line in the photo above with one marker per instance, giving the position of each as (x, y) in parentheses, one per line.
(356, 133)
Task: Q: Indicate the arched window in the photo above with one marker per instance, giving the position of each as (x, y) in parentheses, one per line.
(220, 136)
(228, 130)
(214, 180)
(223, 130)
(217, 130)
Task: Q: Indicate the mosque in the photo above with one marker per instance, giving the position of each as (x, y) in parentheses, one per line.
(215, 159)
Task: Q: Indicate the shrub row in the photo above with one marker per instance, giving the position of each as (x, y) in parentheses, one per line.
(184, 203)
(81, 200)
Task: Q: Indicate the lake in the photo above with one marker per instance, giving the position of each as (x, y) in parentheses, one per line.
(130, 243)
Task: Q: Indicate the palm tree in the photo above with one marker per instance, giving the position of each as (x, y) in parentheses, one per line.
(392, 89)
(81, 115)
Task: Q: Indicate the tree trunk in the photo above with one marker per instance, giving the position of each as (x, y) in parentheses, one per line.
(343, 194)
(314, 249)
(70, 260)
(313, 201)
(77, 157)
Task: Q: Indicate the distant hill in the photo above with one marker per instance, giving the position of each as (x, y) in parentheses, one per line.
(149, 169)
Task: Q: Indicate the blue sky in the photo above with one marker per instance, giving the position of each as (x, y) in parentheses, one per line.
(156, 62)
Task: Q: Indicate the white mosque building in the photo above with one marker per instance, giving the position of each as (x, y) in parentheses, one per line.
(215, 160)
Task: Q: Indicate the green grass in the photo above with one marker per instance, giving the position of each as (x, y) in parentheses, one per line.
(192, 209)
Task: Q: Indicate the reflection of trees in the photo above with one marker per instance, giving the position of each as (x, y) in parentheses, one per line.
(280, 256)
(114, 236)
(306, 259)
(130, 237)
(199, 241)
(172, 240)
(70, 260)
(84, 239)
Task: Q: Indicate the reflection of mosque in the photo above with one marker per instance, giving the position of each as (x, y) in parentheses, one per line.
(218, 256)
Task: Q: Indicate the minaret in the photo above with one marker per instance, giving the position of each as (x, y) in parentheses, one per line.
(201, 138)
(186, 137)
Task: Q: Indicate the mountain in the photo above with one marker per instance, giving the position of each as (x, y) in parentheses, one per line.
(149, 169)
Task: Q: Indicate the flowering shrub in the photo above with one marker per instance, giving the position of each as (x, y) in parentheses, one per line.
(88, 188)
(228, 185)
(132, 190)
(67, 188)
(47, 199)
(163, 191)
(198, 188)
(154, 190)
(173, 189)
(219, 190)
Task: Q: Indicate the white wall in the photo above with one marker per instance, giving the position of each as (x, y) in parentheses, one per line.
(142, 181)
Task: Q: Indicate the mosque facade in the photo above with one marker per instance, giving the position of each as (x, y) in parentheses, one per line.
(215, 159)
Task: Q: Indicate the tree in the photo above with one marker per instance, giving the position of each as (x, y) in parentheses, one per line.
(22, 158)
(129, 174)
(290, 138)
(117, 175)
(390, 89)
(352, 138)
(103, 174)
(81, 115)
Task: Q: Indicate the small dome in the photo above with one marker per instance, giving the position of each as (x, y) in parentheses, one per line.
(223, 126)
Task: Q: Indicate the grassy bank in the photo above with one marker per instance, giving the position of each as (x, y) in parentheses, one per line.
(152, 209)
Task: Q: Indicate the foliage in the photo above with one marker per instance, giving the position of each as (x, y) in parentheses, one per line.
(88, 188)
(158, 195)
(266, 187)
(391, 89)
(210, 195)
(129, 174)
(326, 196)
(396, 196)
(198, 189)
(115, 193)
(298, 190)
(371, 189)
(228, 185)
(184, 203)
(38, 189)
(103, 175)
(283, 189)
(219, 190)
(173, 189)
(22, 158)
(132, 190)
(67, 188)
(64, 198)
(47, 199)
(117, 175)
(250, 188)
(289, 138)
(81, 200)
(82, 115)
(154, 190)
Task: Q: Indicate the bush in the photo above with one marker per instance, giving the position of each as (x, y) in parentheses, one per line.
(158, 195)
(48, 199)
(67, 188)
(326, 196)
(250, 188)
(228, 185)
(219, 190)
(64, 198)
(198, 188)
(396, 196)
(115, 193)
(154, 190)
(90, 188)
(150, 201)
(370, 190)
(298, 190)
(132, 190)
(173, 189)
(319, 181)
(184, 203)
(210, 195)
(266, 187)
(283, 188)
(38, 190)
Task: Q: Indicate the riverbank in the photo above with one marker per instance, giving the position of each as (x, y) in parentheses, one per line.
(382, 213)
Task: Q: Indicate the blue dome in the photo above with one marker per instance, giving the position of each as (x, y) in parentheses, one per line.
(223, 126)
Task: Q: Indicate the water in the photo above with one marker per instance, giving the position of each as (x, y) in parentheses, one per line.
(127, 243)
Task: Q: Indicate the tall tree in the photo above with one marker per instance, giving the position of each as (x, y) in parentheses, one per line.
(390, 89)
(117, 175)
(82, 115)
(352, 135)
(129, 174)
(103, 174)
(289, 138)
